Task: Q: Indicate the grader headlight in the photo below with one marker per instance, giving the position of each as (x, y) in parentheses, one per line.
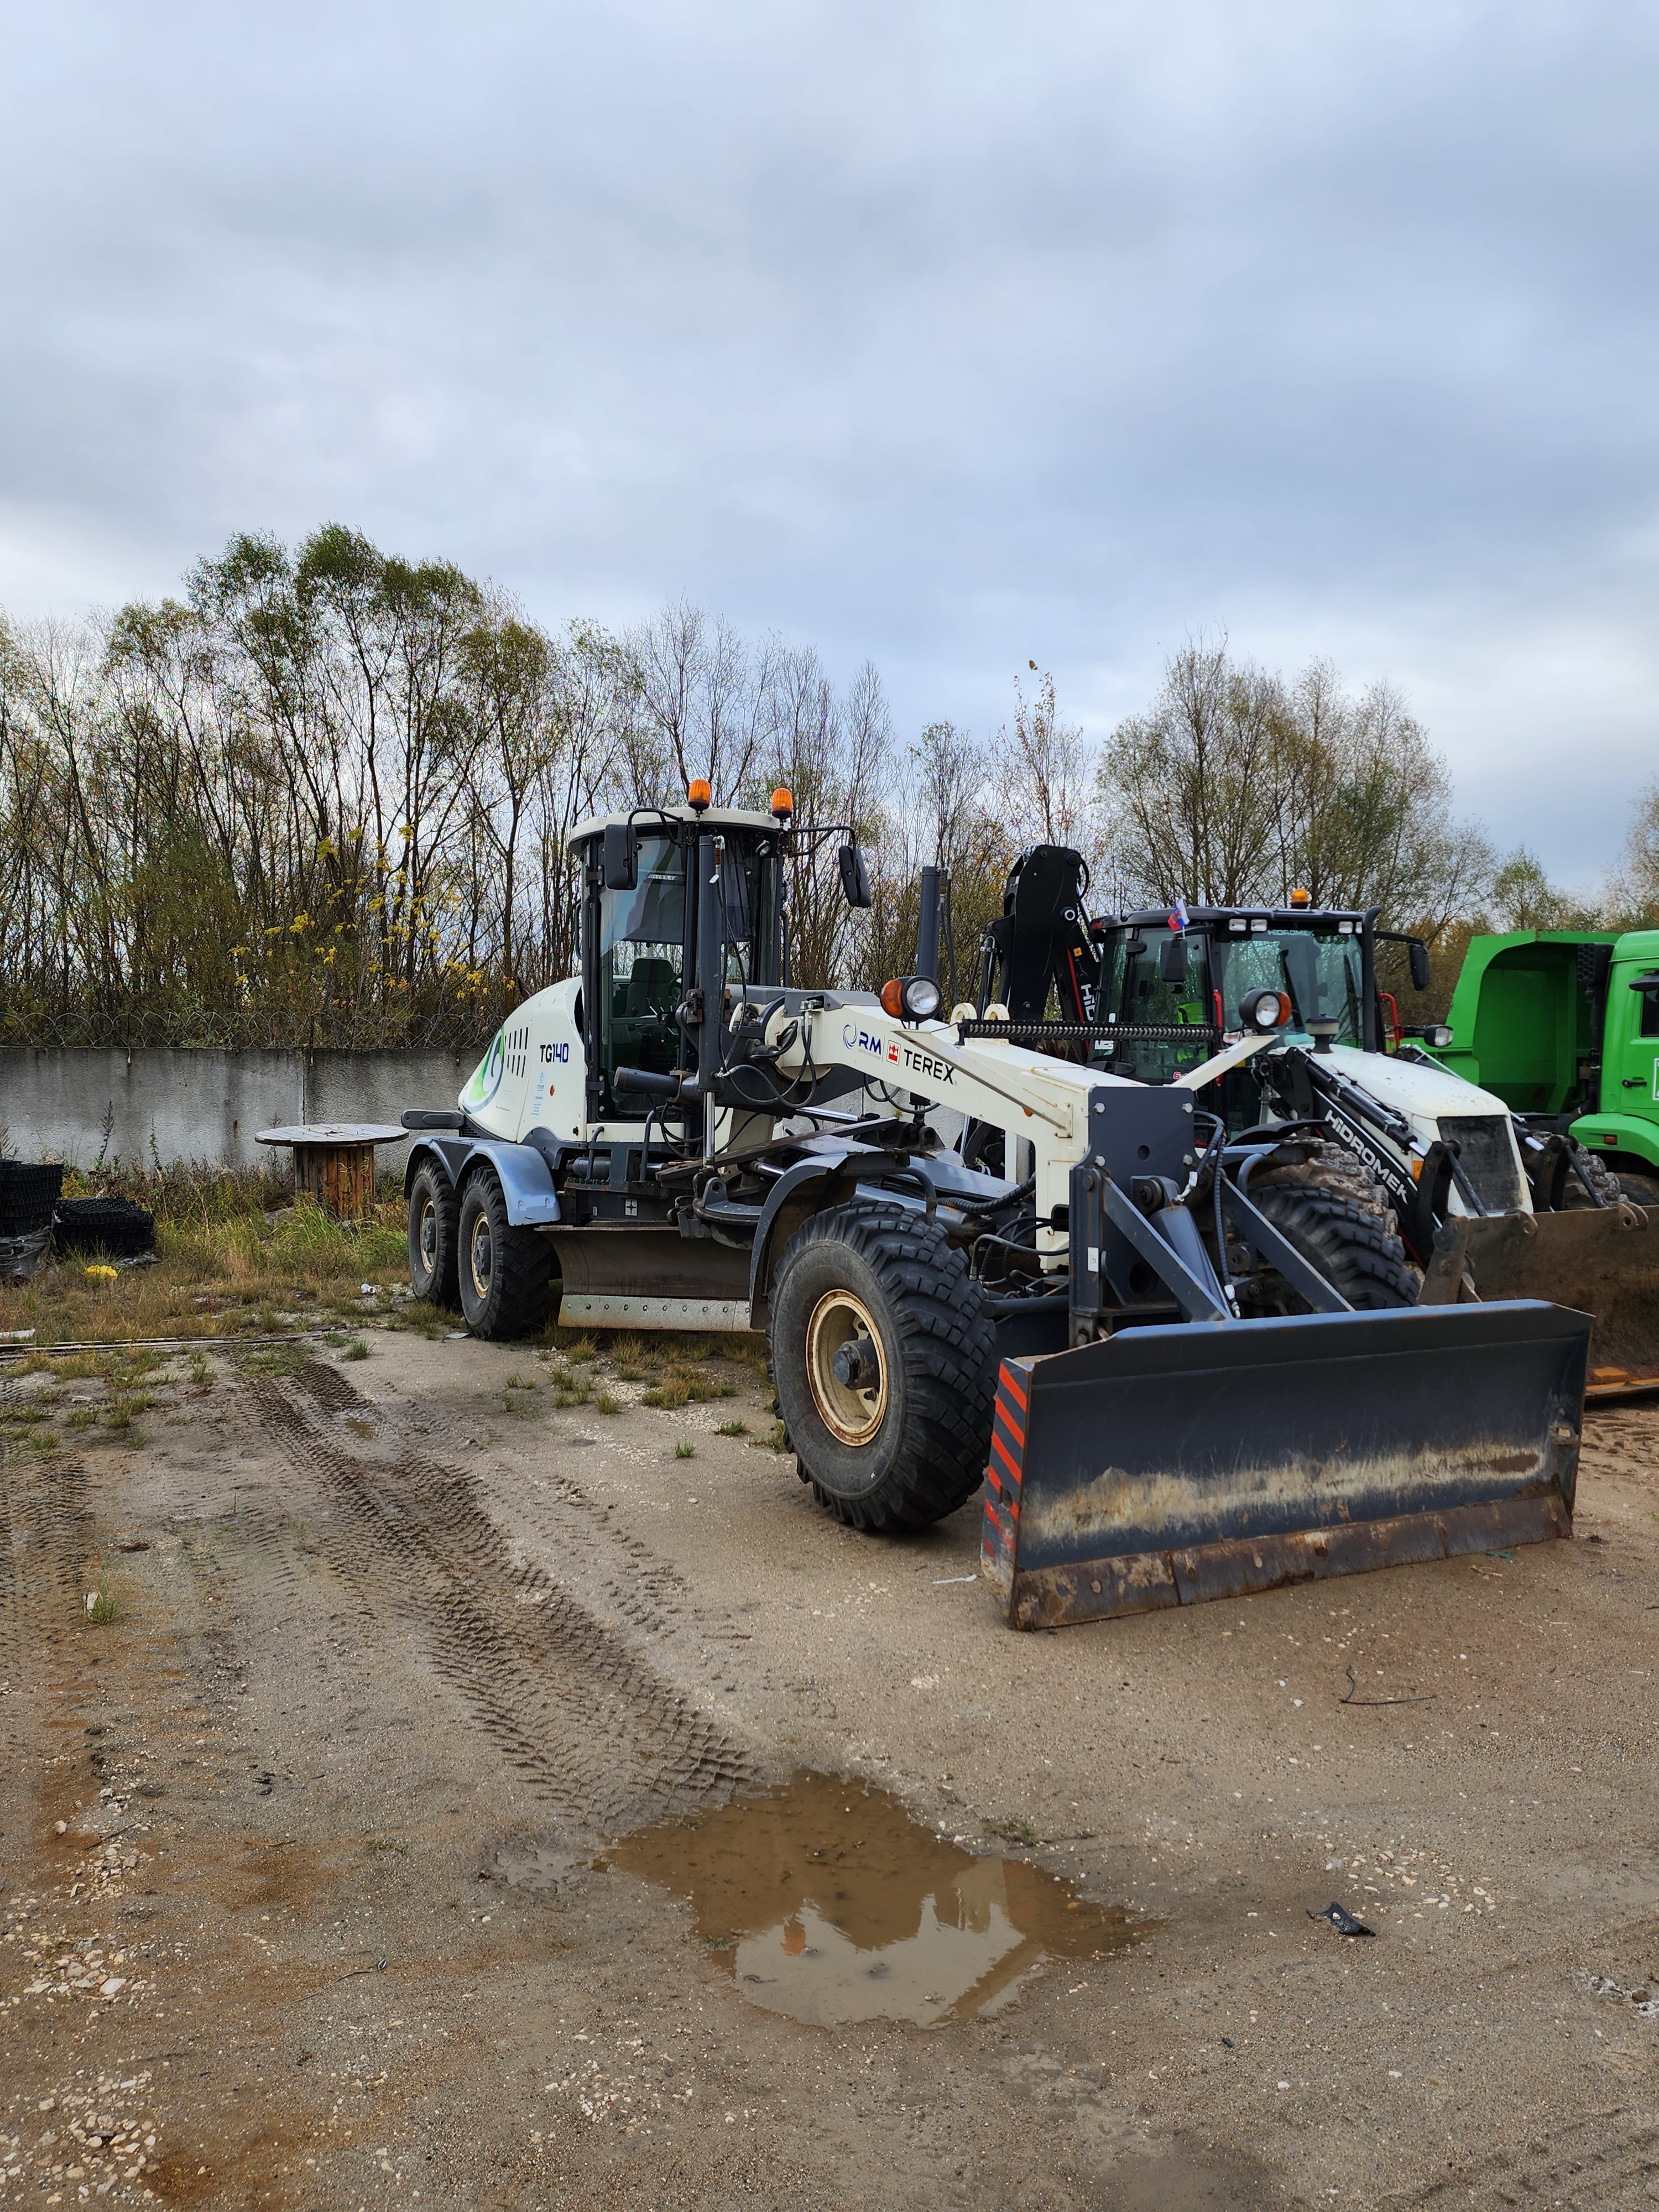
(911, 998)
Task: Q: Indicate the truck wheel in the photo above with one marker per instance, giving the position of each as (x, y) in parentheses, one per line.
(434, 1218)
(1357, 1255)
(505, 1273)
(885, 1361)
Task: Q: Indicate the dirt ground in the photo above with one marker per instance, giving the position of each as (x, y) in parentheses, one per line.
(303, 1832)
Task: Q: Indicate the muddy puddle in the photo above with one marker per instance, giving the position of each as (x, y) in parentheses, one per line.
(827, 1901)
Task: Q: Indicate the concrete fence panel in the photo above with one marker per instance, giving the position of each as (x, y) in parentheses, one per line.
(150, 1103)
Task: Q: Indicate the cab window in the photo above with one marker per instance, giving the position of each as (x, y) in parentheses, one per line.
(642, 970)
(1322, 974)
(1146, 997)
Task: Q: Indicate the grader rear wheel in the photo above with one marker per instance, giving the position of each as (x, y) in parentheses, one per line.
(505, 1273)
(434, 1223)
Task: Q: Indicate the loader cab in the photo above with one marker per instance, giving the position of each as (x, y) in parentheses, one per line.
(638, 939)
(1151, 972)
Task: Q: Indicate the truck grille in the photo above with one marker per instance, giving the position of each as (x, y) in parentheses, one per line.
(1485, 1152)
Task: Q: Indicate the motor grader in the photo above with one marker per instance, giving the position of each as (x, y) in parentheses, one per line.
(1166, 1394)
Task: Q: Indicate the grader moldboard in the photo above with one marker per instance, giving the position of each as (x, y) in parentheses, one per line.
(1166, 1396)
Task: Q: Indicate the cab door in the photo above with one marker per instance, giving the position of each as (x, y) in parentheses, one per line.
(635, 969)
(1630, 1055)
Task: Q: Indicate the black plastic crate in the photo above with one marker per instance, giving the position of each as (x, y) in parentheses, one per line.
(115, 1225)
(28, 1192)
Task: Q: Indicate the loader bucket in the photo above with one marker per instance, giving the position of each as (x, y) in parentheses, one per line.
(1172, 1464)
(1601, 1260)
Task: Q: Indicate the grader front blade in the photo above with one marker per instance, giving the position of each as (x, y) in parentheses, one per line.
(1171, 1464)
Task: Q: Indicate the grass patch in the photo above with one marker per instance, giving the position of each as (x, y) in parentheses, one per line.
(274, 1360)
(684, 1386)
(101, 1606)
(733, 1429)
(776, 1438)
(607, 1403)
(685, 1451)
(233, 1252)
(1010, 1831)
(357, 1349)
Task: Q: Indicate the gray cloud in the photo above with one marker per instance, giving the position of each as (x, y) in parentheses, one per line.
(953, 335)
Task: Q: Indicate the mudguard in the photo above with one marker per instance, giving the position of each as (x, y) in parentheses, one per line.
(1171, 1464)
(1603, 1260)
(862, 1164)
(522, 1171)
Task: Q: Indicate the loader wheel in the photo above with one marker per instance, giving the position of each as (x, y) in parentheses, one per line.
(434, 1223)
(1606, 1183)
(1357, 1255)
(884, 1358)
(1639, 1189)
(505, 1273)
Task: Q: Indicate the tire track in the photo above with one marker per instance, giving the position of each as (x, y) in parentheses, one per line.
(599, 1733)
(45, 1541)
(1606, 2162)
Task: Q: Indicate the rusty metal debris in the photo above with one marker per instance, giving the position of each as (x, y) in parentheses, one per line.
(1349, 1699)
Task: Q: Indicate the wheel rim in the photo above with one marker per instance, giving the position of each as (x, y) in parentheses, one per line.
(427, 1236)
(851, 1412)
(478, 1258)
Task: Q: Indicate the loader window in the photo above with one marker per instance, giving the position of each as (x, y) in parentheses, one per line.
(1147, 998)
(1322, 973)
(642, 970)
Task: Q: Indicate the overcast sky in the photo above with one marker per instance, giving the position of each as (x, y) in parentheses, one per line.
(952, 336)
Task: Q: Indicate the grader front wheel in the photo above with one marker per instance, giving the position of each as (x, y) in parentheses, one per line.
(883, 1359)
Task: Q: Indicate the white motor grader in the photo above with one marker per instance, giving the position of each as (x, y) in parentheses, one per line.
(1165, 1392)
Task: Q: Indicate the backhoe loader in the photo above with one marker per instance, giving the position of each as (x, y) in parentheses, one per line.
(1488, 1202)
(1167, 1396)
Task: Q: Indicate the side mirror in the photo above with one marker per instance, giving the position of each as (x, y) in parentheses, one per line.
(854, 876)
(1172, 960)
(622, 857)
(1418, 954)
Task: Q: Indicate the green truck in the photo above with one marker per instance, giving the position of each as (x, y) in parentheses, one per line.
(1563, 1025)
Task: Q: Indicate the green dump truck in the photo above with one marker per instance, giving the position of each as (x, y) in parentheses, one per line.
(1563, 1025)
